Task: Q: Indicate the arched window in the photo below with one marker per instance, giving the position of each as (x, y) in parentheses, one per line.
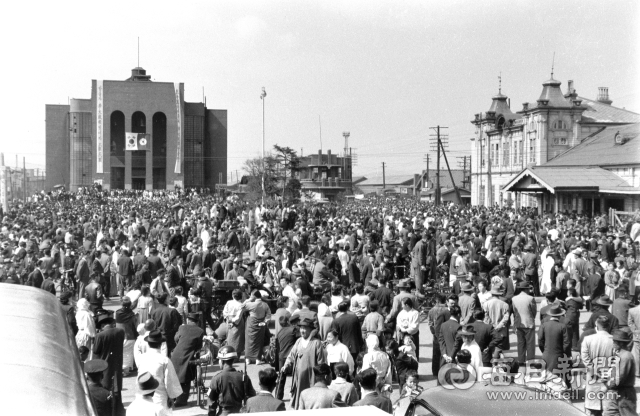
(159, 149)
(117, 133)
(560, 125)
(500, 123)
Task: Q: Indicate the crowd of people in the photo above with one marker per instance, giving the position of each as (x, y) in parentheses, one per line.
(345, 286)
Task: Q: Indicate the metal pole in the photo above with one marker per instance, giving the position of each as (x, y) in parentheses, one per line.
(24, 179)
(438, 171)
(262, 97)
(384, 185)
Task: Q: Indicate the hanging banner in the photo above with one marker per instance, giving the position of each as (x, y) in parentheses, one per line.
(176, 86)
(99, 127)
(3, 189)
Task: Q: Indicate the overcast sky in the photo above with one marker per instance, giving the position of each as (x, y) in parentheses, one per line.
(384, 71)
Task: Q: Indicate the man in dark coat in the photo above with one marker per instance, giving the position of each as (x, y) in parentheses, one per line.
(285, 340)
(125, 272)
(93, 293)
(49, 285)
(100, 396)
(188, 345)
(553, 339)
(166, 321)
(109, 347)
(601, 307)
(371, 397)
(349, 329)
(155, 263)
(488, 339)
(448, 336)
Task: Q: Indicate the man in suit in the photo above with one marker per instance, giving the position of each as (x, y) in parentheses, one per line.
(109, 346)
(349, 330)
(155, 263)
(319, 396)
(419, 262)
(100, 396)
(125, 272)
(530, 263)
(168, 321)
(486, 338)
(321, 275)
(497, 315)
(596, 348)
(438, 315)
(467, 302)
(602, 303)
(524, 319)
(370, 396)
(285, 339)
(554, 340)
(264, 400)
(188, 344)
(449, 335)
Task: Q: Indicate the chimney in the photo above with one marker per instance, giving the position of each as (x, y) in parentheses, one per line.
(328, 156)
(603, 95)
(320, 157)
(570, 86)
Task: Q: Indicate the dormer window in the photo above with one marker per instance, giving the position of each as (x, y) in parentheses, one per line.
(560, 125)
(500, 123)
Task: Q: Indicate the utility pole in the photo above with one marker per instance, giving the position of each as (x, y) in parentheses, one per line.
(384, 184)
(24, 179)
(262, 97)
(463, 165)
(453, 182)
(438, 145)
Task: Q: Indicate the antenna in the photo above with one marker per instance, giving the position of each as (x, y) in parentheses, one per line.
(320, 123)
(138, 51)
(500, 83)
(553, 62)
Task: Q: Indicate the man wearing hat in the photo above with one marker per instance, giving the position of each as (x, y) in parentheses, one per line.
(595, 350)
(109, 346)
(100, 396)
(468, 302)
(189, 342)
(600, 307)
(305, 354)
(497, 314)
(161, 368)
(623, 378)
(524, 317)
(143, 404)
(228, 389)
(553, 339)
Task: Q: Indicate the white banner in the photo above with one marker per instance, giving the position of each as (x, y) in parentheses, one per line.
(99, 127)
(176, 86)
(3, 189)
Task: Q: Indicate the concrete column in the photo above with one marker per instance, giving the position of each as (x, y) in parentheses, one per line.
(148, 181)
(127, 154)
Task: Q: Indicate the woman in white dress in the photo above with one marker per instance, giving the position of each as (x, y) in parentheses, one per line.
(86, 325)
(548, 263)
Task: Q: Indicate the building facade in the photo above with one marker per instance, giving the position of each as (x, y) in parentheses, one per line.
(85, 140)
(506, 143)
(326, 175)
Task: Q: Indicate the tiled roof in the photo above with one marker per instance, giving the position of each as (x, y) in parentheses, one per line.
(574, 177)
(598, 112)
(599, 149)
(390, 180)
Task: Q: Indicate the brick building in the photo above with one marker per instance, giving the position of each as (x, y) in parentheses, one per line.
(85, 140)
(557, 125)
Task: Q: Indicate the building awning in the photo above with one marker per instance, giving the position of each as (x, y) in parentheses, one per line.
(581, 178)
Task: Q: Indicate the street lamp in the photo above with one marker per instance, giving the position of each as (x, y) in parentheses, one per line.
(262, 96)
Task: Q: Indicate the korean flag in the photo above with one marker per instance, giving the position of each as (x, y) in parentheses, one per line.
(131, 140)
